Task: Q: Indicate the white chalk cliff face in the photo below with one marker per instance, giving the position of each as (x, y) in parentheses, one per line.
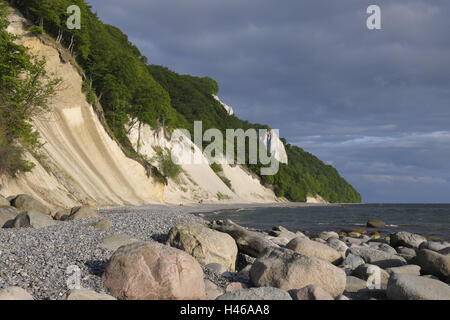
(225, 106)
(83, 164)
(273, 143)
(198, 182)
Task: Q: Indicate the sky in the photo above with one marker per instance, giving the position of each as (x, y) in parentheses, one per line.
(375, 104)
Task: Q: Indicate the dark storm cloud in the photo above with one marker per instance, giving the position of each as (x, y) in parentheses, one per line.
(373, 103)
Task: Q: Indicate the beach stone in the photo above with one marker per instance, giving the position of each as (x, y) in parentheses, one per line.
(86, 294)
(243, 261)
(408, 269)
(435, 246)
(433, 263)
(212, 290)
(354, 234)
(377, 240)
(4, 202)
(407, 253)
(326, 235)
(204, 244)
(377, 257)
(342, 297)
(387, 248)
(434, 238)
(33, 219)
(314, 249)
(287, 270)
(153, 271)
(282, 232)
(263, 293)
(62, 215)
(352, 261)
(217, 268)
(318, 240)
(7, 216)
(14, 293)
(354, 284)
(352, 240)
(445, 251)
(374, 223)
(236, 286)
(364, 271)
(375, 235)
(406, 239)
(410, 287)
(101, 225)
(279, 241)
(84, 212)
(337, 245)
(115, 241)
(24, 202)
(310, 292)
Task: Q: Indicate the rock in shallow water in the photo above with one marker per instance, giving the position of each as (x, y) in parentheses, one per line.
(376, 224)
(152, 271)
(263, 293)
(286, 269)
(410, 287)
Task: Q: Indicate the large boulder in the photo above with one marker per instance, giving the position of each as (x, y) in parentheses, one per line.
(327, 235)
(264, 293)
(86, 294)
(32, 219)
(287, 270)
(337, 245)
(83, 212)
(24, 202)
(377, 257)
(310, 292)
(352, 262)
(14, 293)
(153, 271)
(374, 223)
(408, 269)
(7, 216)
(410, 287)
(355, 284)
(433, 263)
(406, 239)
(435, 246)
(4, 202)
(314, 249)
(204, 244)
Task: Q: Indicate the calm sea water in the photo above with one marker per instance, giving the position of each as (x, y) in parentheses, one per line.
(425, 219)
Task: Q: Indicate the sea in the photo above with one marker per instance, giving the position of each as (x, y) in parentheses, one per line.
(424, 219)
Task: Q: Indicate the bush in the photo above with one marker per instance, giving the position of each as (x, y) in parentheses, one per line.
(11, 159)
(36, 30)
(166, 166)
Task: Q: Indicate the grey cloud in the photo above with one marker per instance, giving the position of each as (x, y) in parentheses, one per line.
(311, 68)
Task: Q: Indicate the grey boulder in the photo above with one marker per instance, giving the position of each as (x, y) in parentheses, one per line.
(410, 287)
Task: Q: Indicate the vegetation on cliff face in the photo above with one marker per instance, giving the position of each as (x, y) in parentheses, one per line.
(129, 88)
(25, 88)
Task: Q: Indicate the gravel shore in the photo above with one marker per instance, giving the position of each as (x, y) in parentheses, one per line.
(36, 259)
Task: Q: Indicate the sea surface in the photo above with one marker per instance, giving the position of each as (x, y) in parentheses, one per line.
(424, 219)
